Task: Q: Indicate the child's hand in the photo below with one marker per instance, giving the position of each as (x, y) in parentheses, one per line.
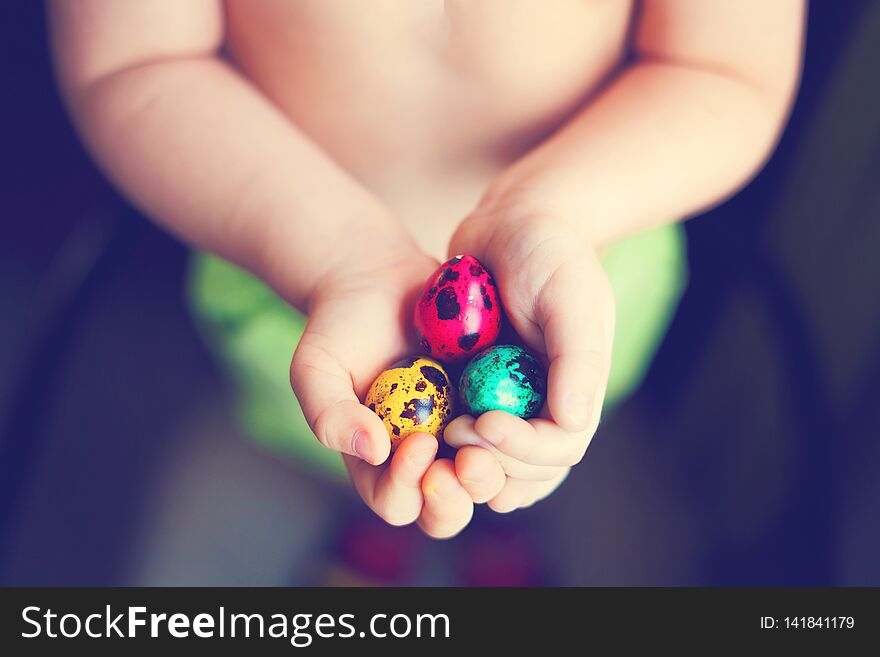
(558, 299)
(359, 324)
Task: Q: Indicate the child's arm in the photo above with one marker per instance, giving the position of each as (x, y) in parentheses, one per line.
(202, 152)
(205, 154)
(683, 125)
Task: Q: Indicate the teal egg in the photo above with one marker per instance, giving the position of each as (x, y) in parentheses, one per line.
(504, 378)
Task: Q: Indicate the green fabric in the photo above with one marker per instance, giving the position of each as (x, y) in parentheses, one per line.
(648, 273)
(254, 334)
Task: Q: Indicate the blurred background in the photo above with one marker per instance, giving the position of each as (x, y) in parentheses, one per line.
(750, 455)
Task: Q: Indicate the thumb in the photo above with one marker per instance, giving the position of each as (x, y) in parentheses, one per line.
(575, 312)
(325, 391)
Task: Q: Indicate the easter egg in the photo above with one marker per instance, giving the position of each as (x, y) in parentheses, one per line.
(458, 312)
(503, 378)
(412, 395)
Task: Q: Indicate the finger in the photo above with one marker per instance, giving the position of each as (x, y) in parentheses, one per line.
(460, 432)
(340, 422)
(575, 310)
(479, 472)
(536, 442)
(518, 494)
(448, 507)
(394, 492)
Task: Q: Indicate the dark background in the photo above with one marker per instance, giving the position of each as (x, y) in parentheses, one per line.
(749, 456)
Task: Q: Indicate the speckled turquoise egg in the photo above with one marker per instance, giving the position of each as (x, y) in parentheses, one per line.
(414, 394)
(504, 378)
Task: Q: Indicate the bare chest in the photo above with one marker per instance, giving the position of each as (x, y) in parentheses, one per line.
(425, 100)
(405, 78)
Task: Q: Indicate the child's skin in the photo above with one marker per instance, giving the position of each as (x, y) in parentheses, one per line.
(333, 148)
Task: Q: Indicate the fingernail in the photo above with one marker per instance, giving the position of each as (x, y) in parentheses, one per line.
(492, 439)
(362, 446)
(422, 458)
(578, 409)
(446, 486)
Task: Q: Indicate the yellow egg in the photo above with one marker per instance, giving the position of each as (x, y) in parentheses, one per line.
(412, 395)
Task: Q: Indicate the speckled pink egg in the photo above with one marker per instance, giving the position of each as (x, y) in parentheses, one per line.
(458, 312)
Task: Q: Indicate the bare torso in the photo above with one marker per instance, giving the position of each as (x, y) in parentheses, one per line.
(424, 101)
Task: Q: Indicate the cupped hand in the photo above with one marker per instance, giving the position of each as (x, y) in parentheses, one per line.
(359, 325)
(558, 299)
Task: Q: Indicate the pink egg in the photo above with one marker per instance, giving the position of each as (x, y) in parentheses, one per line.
(458, 312)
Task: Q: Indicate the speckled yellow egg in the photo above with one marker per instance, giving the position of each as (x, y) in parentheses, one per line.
(412, 395)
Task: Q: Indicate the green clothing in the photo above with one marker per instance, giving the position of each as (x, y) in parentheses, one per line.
(254, 334)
